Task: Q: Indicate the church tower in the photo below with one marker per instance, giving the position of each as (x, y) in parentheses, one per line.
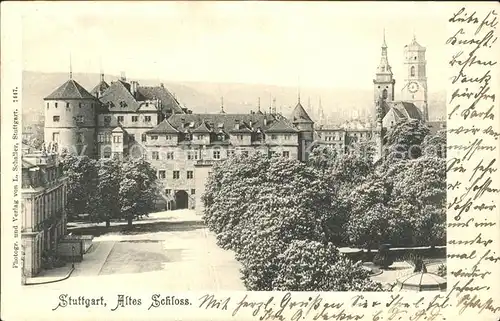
(384, 82)
(415, 88)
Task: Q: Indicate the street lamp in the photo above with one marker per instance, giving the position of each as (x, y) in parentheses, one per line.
(73, 252)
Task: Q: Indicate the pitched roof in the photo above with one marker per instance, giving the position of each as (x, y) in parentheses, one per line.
(299, 115)
(415, 45)
(226, 122)
(100, 88)
(70, 90)
(281, 126)
(202, 128)
(163, 128)
(405, 109)
(118, 98)
(168, 101)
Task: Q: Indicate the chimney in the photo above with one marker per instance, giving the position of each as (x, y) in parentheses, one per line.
(122, 76)
(133, 88)
(265, 121)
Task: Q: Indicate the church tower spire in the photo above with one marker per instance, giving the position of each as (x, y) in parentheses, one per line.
(384, 81)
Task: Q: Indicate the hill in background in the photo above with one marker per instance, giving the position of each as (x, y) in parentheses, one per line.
(339, 104)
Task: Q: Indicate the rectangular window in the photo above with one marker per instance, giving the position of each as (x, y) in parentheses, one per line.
(286, 154)
(170, 155)
(168, 137)
(162, 174)
(168, 191)
(117, 139)
(244, 153)
(176, 175)
(79, 119)
(120, 119)
(193, 191)
(147, 119)
(55, 105)
(288, 137)
(67, 105)
(189, 174)
(55, 118)
(107, 153)
(216, 154)
(143, 137)
(201, 137)
(274, 137)
(190, 155)
(107, 120)
(79, 138)
(154, 137)
(100, 138)
(135, 119)
(80, 105)
(240, 137)
(155, 155)
(55, 137)
(47, 105)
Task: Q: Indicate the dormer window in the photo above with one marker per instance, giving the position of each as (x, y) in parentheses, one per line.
(123, 104)
(220, 137)
(191, 124)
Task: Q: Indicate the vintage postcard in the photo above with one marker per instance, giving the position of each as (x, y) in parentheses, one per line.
(250, 161)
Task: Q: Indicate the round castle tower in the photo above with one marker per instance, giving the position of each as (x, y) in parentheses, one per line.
(70, 119)
(305, 126)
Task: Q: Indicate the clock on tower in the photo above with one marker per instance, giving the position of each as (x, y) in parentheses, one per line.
(415, 88)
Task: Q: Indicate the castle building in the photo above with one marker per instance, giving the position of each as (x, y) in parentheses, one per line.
(43, 194)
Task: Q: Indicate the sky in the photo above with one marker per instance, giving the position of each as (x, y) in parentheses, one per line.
(316, 44)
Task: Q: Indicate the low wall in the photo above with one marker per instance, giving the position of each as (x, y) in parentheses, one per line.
(399, 254)
(71, 250)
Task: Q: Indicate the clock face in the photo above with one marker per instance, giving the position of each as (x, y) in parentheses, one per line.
(413, 87)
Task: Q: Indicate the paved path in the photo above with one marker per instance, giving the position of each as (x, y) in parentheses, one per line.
(175, 252)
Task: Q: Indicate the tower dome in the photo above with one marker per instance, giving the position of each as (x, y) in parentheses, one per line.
(70, 118)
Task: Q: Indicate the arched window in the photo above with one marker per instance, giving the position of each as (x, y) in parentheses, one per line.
(412, 71)
(384, 94)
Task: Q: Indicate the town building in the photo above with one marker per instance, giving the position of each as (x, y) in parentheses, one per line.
(43, 199)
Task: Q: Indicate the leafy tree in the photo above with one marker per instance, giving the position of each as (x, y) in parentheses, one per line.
(313, 266)
(322, 157)
(105, 203)
(81, 173)
(404, 140)
(371, 219)
(435, 145)
(419, 196)
(138, 189)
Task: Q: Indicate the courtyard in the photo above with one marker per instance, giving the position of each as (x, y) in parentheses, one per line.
(167, 250)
